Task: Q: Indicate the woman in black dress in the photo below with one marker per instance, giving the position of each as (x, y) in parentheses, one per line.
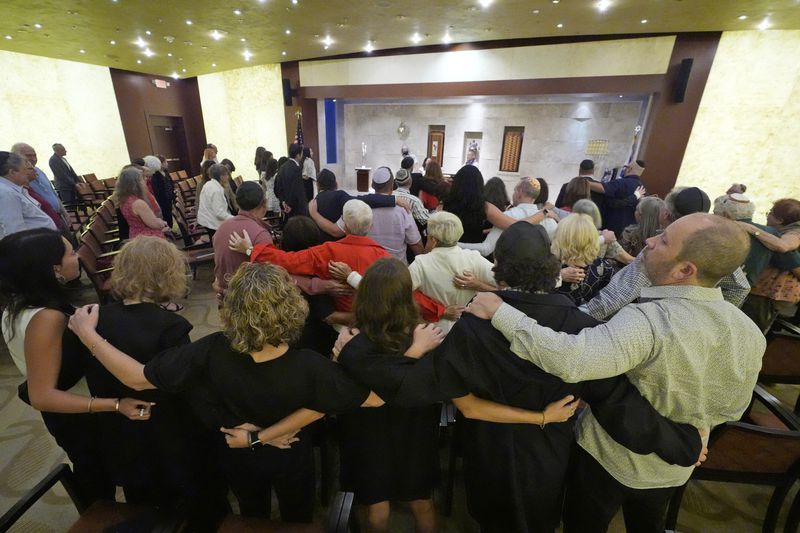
(246, 373)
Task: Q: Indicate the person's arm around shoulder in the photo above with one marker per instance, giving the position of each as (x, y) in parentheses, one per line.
(788, 242)
(324, 224)
(624, 287)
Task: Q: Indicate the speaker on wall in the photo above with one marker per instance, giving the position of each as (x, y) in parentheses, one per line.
(679, 90)
(287, 92)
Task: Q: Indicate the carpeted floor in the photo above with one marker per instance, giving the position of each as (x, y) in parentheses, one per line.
(28, 453)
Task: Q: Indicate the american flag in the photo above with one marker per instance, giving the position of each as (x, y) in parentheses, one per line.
(298, 136)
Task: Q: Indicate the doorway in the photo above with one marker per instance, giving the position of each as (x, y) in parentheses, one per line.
(168, 138)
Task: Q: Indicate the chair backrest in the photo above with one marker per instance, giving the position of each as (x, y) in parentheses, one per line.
(110, 183)
(182, 174)
(88, 178)
(750, 450)
(781, 362)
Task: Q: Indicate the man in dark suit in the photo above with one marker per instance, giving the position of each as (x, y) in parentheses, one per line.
(586, 170)
(289, 186)
(63, 174)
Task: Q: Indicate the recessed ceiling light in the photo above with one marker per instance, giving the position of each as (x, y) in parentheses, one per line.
(555, 1)
(602, 5)
(37, 26)
(148, 32)
(213, 64)
(764, 24)
(288, 32)
(447, 39)
(644, 21)
(216, 35)
(183, 70)
(169, 54)
(327, 40)
(334, 99)
(148, 52)
(188, 22)
(620, 96)
(112, 42)
(237, 11)
(82, 51)
(485, 3)
(559, 25)
(416, 38)
(742, 17)
(283, 53)
(139, 61)
(8, 37)
(175, 75)
(535, 11)
(141, 43)
(326, 47)
(247, 55)
(294, 2)
(369, 48)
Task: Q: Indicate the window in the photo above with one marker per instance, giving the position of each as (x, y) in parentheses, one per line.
(512, 148)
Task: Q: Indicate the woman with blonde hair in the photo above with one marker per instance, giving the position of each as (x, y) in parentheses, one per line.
(247, 375)
(131, 195)
(609, 249)
(576, 245)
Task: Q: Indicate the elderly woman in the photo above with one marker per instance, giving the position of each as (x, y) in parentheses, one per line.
(247, 373)
(213, 207)
(130, 194)
(648, 216)
(609, 249)
(161, 185)
(576, 245)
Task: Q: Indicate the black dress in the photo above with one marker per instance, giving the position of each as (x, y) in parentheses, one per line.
(598, 274)
(227, 388)
(514, 473)
(160, 461)
(389, 452)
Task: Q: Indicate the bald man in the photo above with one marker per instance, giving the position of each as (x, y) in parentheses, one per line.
(675, 346)
(63, 174)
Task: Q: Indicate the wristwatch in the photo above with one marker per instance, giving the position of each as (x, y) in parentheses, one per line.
(252, 440)
(756, 233)
(248, 252)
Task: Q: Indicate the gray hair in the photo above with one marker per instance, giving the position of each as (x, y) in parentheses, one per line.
(218, 170)
(739, 208)
(446, 228)
(129, 184)
(649, 210)
(357, 217)
(14, 162)
(527, 189)
(152, 163)
(18, 147)
(588, 207)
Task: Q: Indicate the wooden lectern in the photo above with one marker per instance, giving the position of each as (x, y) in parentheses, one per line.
(362, 179)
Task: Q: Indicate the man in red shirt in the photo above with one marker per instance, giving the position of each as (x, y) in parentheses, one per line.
(355, 249)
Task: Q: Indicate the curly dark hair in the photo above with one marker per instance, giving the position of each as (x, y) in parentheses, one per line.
(539, 276)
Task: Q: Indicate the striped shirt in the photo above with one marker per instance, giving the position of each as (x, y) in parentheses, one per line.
(418, 211)
(692, 355)
(627, 284)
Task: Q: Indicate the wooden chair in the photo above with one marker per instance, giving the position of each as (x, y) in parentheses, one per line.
(340, 519)
(174, 176)
(110, 183)
(87, 195)
(182, 174)
(98, 275)
(746, 453)
(88, 178)
(186, 193)
(98, 517)
(781, 362)
(99, 189)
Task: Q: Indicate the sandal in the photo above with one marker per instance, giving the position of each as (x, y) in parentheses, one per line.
(172, 306)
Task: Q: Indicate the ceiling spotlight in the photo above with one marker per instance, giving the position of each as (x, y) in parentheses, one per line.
(139, 61)
(169, 54)
(247, 55)
(148, 52)
(141, 43)
(37, 26)
(82, 51)
(294, 2)
(555, 1)
(283, 53)
(602, 5)
(535, 11)
(369, 48)
(416, 38)
(148, 32)
(175, 75)
(485, 3)
(237, 11)
(742, 17)
(8, 37)
(764, 24)
(213, 64)
(644, 21)
(188, 22)
(326, 46)
(288, 32)
(327, 40)
(559, 25)
(112, 42)
(216, 35)
(447, 39)
(620, 96)
(183, 70)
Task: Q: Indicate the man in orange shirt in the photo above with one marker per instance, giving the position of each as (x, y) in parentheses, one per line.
(355, 249)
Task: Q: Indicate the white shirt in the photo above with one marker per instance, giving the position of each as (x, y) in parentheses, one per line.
(213, 207)
(433, 273)
(518, 212)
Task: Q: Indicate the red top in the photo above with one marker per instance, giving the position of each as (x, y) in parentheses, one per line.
(357, 251)
(428, 200)
(47, 208)
(137, 227)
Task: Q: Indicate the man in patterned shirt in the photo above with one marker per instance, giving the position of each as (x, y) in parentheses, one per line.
(628, 283)
(693, 355)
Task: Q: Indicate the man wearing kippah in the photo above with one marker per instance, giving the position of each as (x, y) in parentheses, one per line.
(403, 181)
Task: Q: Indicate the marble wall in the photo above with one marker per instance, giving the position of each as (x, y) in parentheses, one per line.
(747, 129)
(243, 109)
(45, 101)
(553, 144)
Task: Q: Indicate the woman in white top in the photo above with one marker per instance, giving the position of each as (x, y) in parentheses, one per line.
(212, 210)
(34, 265)
(309, 173)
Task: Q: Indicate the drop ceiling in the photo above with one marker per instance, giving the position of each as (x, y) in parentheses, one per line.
(186, 38)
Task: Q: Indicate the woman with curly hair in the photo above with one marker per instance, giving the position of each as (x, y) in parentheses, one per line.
(247, 375)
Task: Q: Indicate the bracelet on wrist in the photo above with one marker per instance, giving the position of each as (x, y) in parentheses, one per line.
(91, 401)
(116, 406)
(94, 345)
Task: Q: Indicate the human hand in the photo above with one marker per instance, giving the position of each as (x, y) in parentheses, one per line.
(284, 442)
(561, 410)
(466, 280)
(453, 312)
(549, 206)
(339, 270)
(286, 208)
(640, 191)
(345, 336)
(136, 410)
(609, 236)
(572, 274)
(240, 243)
(236, 437)
(403, 202)
(550, 213)
(247, 426)
(704, 452)
(426, 338)
(84, 321)
(484, 305)
(336, 288)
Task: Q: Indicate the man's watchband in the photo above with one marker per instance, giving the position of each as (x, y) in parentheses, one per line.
(252, 440)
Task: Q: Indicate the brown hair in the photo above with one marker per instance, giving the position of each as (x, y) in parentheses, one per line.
(577, 189)
(262, 306)
(385, 309)
(434, 170)
(149, 269)
(787, 210)
(716, 251)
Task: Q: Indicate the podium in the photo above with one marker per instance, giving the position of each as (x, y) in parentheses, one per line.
(362, 179)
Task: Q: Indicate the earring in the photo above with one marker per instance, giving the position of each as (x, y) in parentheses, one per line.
(61, 279)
